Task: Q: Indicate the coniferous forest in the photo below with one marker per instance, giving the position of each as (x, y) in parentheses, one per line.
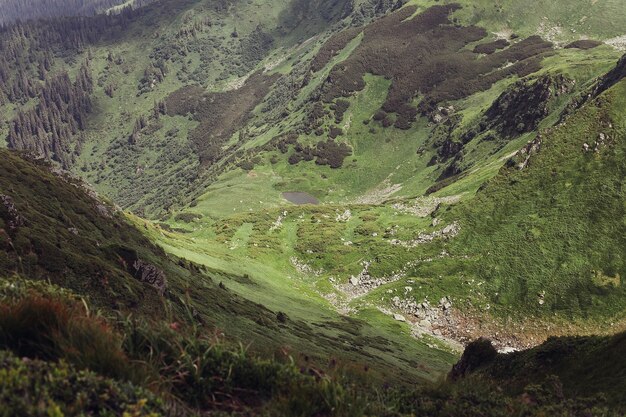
(11, 10)
(52, 105)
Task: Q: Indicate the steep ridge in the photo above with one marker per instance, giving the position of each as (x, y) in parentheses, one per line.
(55, 229)
(559, 214)
(543, 240)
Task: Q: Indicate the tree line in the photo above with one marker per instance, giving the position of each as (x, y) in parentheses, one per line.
(13, 10)
(51, 129)
(51, 109)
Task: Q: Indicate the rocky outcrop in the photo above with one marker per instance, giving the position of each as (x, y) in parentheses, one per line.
(522, 158)
(602, 141)
(448, 232)
(428, 318)
(10, 215)
(523, 106)
(477, 354)
(363, 283)
(150, 274)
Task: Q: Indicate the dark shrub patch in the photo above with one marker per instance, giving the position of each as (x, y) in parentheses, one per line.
(335, 132)
(249, 164)
(491, 47)
(325, 153)
(379, 116)
(340, 108)
(332, 153)
(188, 217)
(584, 44)
(425, 55)
(219, 114)
(282, 142)
(402, 122)
(294, 158)
(335, 44)
(315, 117)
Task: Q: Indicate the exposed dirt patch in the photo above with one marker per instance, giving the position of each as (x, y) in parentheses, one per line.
(379, 194)
(550, 32)
(327, 152)
(618, 42)
(448, 232)
(425, 206)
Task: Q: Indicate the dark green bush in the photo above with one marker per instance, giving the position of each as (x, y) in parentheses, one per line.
(187, 217)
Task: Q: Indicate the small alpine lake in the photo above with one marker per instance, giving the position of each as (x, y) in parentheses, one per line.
(300, 198)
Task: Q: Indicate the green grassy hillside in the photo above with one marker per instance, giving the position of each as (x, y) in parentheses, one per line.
(75, 325)
(59, 359)
(54, 232)
(556, 227)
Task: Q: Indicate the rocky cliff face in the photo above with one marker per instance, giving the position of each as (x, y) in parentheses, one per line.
(151, 275)
(613, 77)
(521, 108)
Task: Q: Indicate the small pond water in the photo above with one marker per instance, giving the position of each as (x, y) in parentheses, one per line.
(300, 198)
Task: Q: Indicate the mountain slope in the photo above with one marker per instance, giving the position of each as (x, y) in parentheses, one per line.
(560, 219)
(509, 251)
(365, 181)
(161, 160)
(163, 362)
(54, 231)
